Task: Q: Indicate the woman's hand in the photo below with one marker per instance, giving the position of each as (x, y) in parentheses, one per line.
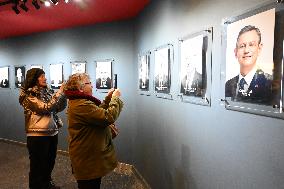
(61, 89)
(116, 93)
(110, 92)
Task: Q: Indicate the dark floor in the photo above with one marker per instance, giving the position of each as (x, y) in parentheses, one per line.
(14, 168)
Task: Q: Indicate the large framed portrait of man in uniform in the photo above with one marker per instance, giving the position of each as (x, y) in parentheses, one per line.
(252, 68)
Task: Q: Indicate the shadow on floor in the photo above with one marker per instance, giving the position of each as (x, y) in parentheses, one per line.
(14, 166)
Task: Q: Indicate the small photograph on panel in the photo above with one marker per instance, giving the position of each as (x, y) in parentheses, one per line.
(37, 66)
(104, 74)
(162, 70)
(19, 76)
(144, 68)
(4, 77)
(78, 67)
(192, 66)
(249, 59)
(56, 75)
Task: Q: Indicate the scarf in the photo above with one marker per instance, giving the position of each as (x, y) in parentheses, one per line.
(72, 95)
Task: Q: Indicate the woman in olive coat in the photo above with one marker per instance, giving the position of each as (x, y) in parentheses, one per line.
(91, 148)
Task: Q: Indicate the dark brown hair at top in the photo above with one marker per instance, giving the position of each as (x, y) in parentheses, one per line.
(247, 29)
(32, 76)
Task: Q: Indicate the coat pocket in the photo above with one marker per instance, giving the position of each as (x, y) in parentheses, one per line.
(39, 123)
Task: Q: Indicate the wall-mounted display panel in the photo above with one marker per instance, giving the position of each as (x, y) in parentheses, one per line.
(163, 60)
(37, 66)
(104, 75)
(78, 67)
(252, 70)
(195, 67)
(20, 73)
(56, 75)
(144, 73)
(4, 77)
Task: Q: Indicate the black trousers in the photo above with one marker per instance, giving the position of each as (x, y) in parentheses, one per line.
(89, 184)
(42, 154)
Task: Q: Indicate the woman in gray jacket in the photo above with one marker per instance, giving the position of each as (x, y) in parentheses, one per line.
(41, 125)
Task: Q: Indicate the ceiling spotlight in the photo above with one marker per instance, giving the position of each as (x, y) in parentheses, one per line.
(54, 1)
(47, 3)
(36, 5)
(15, 8)
(24, 7)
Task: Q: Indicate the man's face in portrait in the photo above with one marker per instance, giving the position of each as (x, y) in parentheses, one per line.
(247, 50)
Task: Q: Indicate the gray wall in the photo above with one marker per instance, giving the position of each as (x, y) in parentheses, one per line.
(174, 145)
(181, 145)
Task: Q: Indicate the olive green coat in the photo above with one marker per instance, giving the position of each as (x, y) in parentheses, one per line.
(91, 148)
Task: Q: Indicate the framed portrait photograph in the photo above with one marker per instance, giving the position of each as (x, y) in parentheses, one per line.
(36, 66)
(195, 67)
(56, 75)
(20, 73)
(104, 75)
(4, 77)
(78, 67)
(252, 69)
(144, 73)
(163, 59)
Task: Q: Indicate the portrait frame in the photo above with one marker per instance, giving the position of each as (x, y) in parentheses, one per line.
(36, 66)
(267, 18)
(144, 62)
(56, 75)
(5, 77)
(163, 62)
(104, 75)
(20, 75)
(195, 67)
(78, 67)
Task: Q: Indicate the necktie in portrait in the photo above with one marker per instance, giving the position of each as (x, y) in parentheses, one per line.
(241, 91)
(242, 84)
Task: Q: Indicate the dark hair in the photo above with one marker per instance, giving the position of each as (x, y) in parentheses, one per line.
(247, 29)
(32, 76)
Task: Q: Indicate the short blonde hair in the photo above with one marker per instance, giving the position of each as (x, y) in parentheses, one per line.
(76, 81)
